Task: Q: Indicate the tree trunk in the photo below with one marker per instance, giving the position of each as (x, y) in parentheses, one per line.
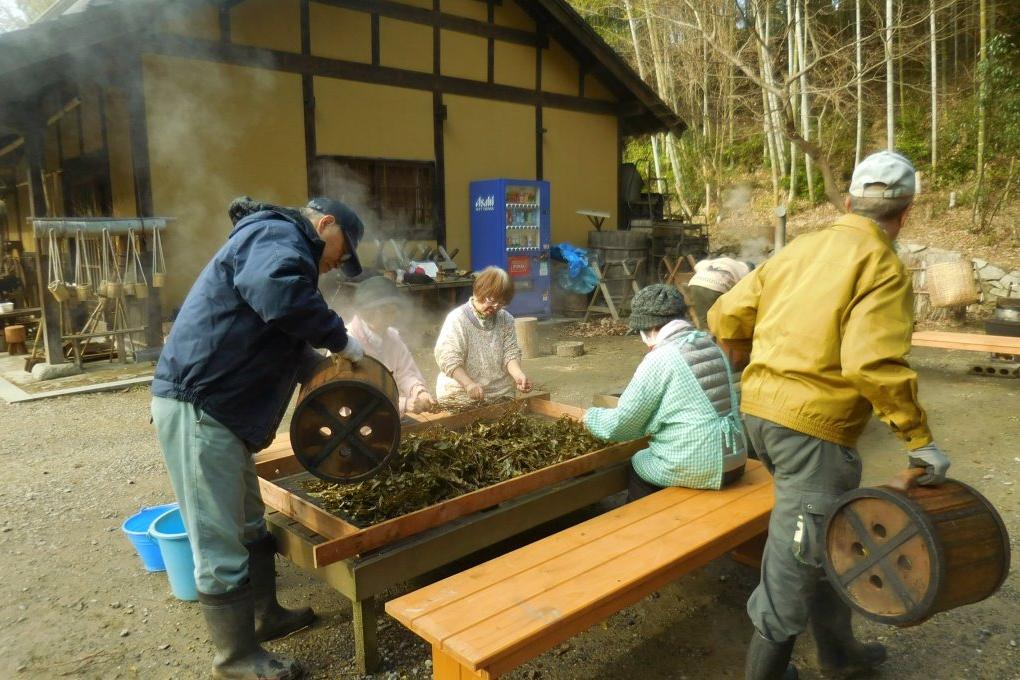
(641, 72)
(859, 145)
(660, 86)
(982, 97)
(890, 125)
(794, 103)
(805, 105)
(934, 91)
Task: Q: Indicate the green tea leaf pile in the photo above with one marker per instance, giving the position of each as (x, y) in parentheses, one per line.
(437, 464)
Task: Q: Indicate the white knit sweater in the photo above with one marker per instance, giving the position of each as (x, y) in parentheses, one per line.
(483, 348)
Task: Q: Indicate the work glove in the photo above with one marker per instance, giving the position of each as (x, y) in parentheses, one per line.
(352, 351)
(933, 461)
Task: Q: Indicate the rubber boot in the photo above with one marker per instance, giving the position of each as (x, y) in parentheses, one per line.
(768, 660)
(272, 620)
(239, 656)
(839, 653)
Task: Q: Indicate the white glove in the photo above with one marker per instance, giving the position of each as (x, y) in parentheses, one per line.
(933, 461)
(352, 351)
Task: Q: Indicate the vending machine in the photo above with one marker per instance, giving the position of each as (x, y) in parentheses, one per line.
(510, 229)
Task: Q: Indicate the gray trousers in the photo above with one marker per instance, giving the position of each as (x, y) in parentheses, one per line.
(213, 477)
(809, 475)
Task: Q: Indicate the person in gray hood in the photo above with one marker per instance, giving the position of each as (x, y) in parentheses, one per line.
(244, 338)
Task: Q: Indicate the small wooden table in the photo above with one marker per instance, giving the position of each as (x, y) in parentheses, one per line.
(596, 217)
(450, 288)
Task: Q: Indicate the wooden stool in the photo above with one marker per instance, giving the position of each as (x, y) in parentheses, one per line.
(15, 337)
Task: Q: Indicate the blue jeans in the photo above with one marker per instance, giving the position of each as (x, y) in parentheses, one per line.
(213, 477)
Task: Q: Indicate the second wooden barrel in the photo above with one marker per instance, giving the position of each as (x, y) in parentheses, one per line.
(614, 249)
(346, 425)
(900, 556)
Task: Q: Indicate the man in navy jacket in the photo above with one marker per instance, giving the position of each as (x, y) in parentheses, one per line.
(245, 336)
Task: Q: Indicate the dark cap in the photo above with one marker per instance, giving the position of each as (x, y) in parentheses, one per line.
(351, 226)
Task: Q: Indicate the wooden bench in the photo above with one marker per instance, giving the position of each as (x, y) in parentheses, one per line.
(974, 342)
(487, 620)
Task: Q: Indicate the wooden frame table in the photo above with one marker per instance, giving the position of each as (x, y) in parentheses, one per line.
(362, 562)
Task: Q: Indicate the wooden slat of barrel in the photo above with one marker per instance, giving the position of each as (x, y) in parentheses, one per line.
(901, 556)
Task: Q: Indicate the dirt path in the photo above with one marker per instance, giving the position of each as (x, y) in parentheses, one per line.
(74, 601)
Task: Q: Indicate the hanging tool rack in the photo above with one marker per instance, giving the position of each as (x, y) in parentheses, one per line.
(113, 261)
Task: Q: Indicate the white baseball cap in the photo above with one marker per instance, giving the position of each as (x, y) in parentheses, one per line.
(889, 169)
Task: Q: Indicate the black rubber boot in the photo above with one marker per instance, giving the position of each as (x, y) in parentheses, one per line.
(239, 656)
(272, 620)
(768, 660)
(839, 653)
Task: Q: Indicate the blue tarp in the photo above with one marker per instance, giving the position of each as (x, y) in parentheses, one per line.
(578, 277)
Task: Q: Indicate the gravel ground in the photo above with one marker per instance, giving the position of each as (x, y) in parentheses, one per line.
(75, 602)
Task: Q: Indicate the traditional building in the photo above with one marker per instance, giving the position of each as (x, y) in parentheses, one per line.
(129, 108)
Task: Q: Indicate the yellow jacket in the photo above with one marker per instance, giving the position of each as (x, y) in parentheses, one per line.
(830, 317)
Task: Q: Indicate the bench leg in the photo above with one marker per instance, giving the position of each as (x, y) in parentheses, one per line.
(445, 667)
(366, 650)
(750, 552)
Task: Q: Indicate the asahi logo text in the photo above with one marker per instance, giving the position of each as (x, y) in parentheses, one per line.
(485, 203)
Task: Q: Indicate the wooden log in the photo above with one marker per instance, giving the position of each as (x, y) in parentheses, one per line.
(569, 348)
(526, 328)
(15, 334)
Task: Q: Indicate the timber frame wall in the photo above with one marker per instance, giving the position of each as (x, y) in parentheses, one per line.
(308, 65)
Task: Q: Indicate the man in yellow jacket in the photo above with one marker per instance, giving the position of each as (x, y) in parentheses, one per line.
(829, 319)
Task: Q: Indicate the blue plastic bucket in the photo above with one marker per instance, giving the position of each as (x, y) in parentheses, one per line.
(136, 528)
(168, 531)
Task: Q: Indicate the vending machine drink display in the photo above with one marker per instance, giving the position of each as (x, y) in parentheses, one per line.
(510, 229)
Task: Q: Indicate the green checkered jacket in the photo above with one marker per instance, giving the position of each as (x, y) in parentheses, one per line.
(689, 436)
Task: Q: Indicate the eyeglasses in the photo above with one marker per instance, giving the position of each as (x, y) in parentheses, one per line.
(496, 304)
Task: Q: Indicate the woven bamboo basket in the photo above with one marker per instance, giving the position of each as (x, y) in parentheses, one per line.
(951, 284)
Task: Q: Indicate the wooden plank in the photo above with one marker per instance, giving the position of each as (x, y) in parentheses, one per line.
(381, 534)
(578, 603)
(1001, 344)
(310, 515)
(412, 606)
(559, 567)
(624, 598)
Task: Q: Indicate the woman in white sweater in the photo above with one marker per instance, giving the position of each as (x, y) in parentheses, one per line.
(477, 348)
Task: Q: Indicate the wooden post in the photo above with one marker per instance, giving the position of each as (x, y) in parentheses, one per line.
(52, 343)
(526, 328)
(139, 138)
(366, 649)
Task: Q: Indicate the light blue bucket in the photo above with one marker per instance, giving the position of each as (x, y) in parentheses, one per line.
(168, 531)
(136, 528)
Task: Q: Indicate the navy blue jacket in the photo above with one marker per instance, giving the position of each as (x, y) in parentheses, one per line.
(246, 329)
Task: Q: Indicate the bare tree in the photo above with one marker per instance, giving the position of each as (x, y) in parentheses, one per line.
(982, 113)
(890, 111)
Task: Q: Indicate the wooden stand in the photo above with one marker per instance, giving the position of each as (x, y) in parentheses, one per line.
(526, 328)
(603, 290)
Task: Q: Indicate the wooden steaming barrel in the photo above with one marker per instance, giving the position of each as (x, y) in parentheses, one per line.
(614, 247)
(346, 425)
(899, 556)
